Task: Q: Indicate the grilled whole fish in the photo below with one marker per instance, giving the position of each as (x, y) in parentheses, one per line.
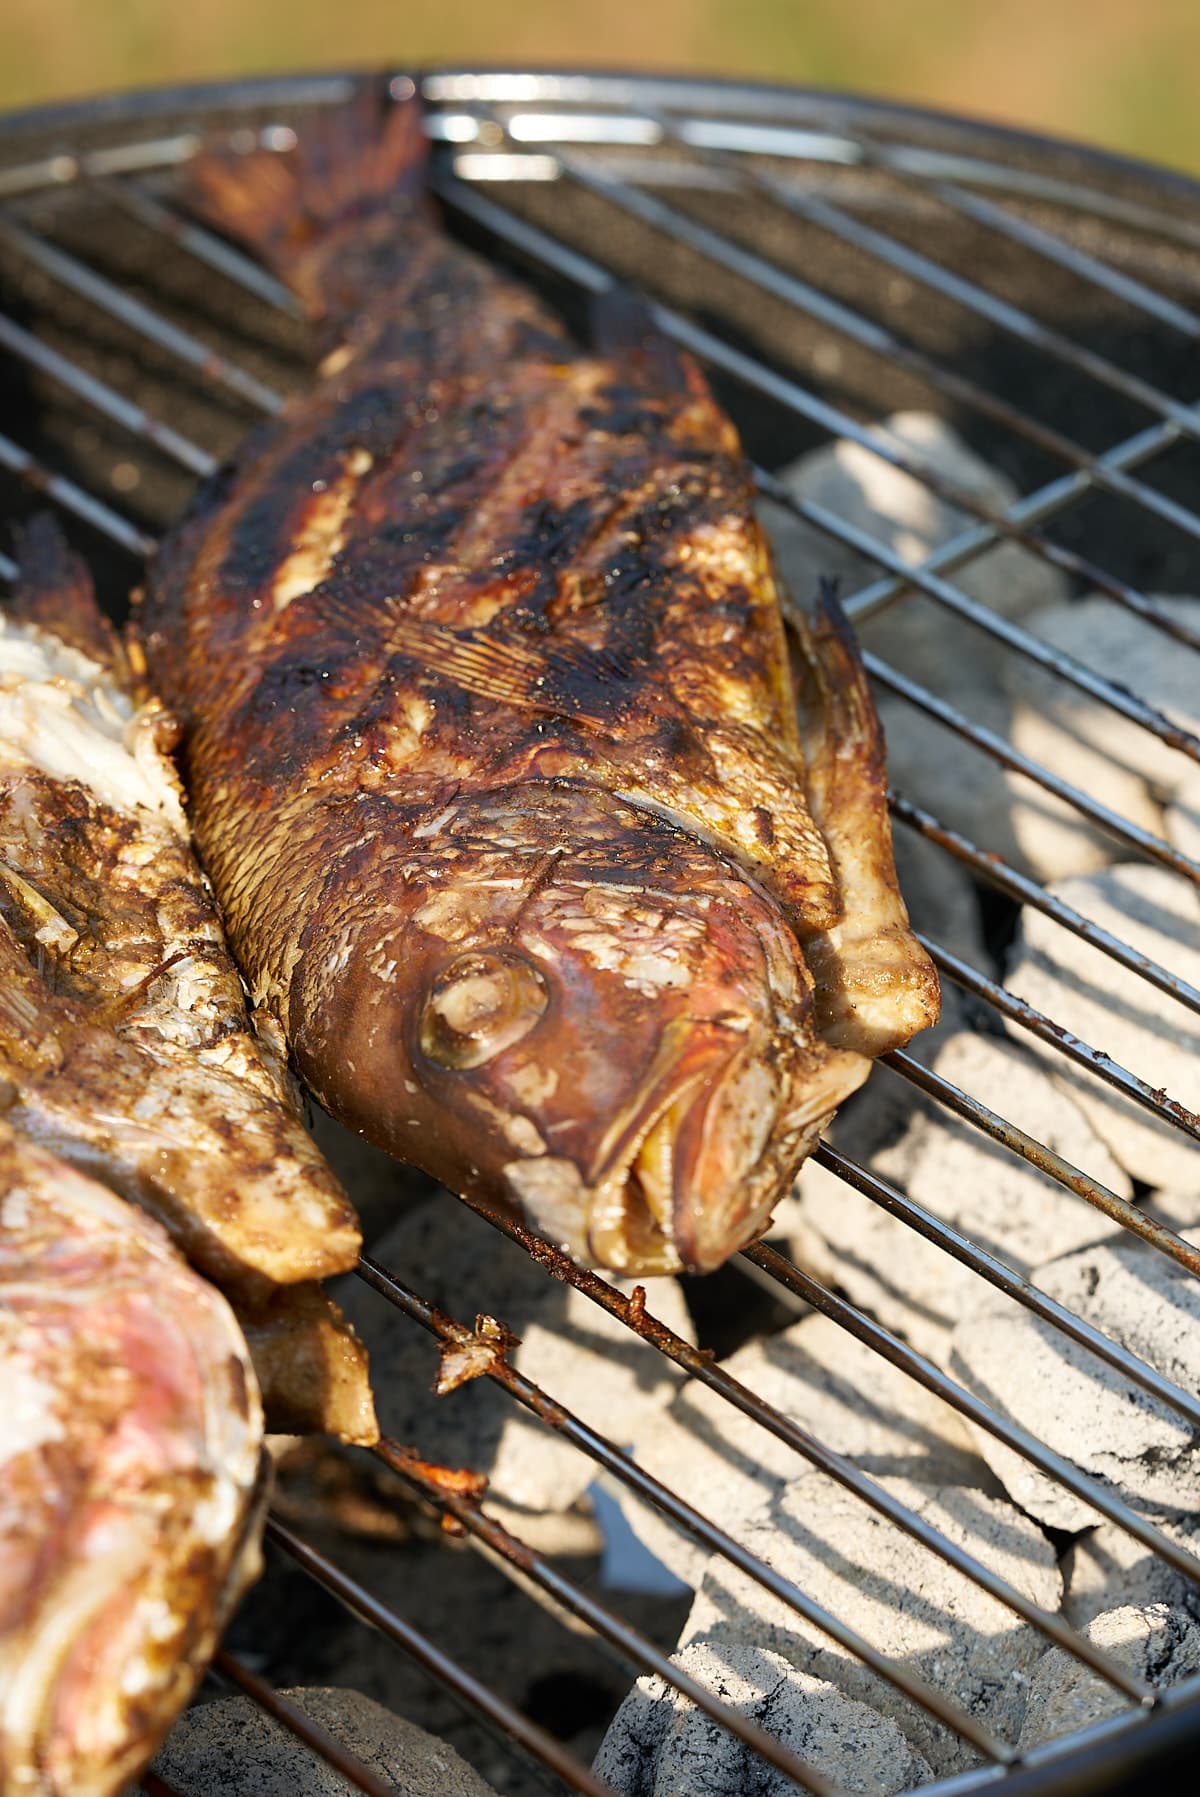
(130, 1439)
(493, 745)
(124, 1039)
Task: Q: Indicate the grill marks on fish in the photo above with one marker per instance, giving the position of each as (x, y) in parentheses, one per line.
(583, 579)
(318, 536)
(541, 633)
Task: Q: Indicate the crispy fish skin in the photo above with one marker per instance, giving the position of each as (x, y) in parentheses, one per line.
(492, 741)
(130, 1490)
(124, 1039)
(119, 988)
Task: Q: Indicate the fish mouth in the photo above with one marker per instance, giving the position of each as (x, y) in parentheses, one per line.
(686, 1174)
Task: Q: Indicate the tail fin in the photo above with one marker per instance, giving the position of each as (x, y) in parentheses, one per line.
(362, 159)
(54, 591)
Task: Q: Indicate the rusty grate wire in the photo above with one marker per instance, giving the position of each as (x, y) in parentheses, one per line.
(650, 152)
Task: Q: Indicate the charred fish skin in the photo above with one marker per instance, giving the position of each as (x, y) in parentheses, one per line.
(492, 741)
(125, 1044)
(130, 1489)
(122, 1015)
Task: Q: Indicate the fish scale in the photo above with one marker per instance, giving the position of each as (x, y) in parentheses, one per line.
(478, 596)
(125, 1043)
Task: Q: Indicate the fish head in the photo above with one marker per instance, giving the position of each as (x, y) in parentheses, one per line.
(578, 1009)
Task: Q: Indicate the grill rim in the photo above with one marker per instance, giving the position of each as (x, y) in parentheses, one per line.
(143, 104)
(297, 90)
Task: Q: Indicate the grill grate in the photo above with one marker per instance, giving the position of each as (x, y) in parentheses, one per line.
(122, 381)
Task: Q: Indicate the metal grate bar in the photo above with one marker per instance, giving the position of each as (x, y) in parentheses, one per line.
(1104, 1738)
(1005, 316)
(1120, 1210)
(497, 1710)
(1056, 661)
(1043, 503)
(1079, 262)
(918, 1367)
(1132, 835)
(871, 335)
(635, 1648)
(998, 1273)
(142, 319)
(132, 198)
(104, 399)
(915, 1365)
(1167, 1110)
(617, 1462)
(325, 1745)
(119, 159)
(582, 111)
(928, 178)
(705, 344)
(924, 174)
(700, 1366)
(917, 574)
(764, 275)
(1017, 886)
(723, 125)
(594, 279)
(101, 517)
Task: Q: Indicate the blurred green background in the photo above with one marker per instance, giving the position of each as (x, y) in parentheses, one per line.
(1122, 73)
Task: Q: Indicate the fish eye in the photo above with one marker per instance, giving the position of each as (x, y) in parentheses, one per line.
(478, 1005)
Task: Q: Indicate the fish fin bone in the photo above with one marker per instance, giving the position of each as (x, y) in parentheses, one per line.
(344, 163)
(875, 985)
(565, 680)
(621, 323)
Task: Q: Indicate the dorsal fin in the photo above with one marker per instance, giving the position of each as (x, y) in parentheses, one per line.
(622, 324)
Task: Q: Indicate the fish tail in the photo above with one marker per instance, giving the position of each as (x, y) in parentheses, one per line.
(346, 166)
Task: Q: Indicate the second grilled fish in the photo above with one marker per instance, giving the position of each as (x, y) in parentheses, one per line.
(130, 1490)
(124, 1039)
(493, 746)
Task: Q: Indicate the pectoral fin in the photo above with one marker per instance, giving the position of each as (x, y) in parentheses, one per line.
(876, 986)
(560, 679)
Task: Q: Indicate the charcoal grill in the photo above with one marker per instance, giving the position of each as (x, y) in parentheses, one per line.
(828, 259)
